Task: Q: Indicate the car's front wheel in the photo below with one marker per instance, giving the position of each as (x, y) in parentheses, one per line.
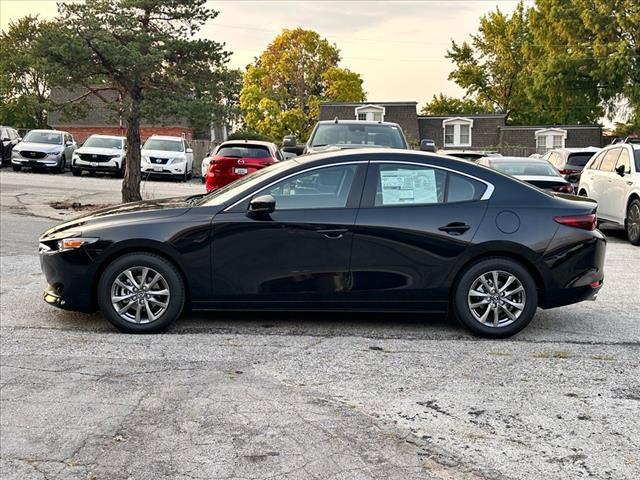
(632, 222)
(16, 168)
(495, 298)
(76, 172)
(141, 293)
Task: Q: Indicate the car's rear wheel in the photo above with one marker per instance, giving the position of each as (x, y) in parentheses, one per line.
(632, 222)
(495, 298)
(141, 293)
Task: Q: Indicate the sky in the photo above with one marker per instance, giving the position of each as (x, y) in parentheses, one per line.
(398, 47)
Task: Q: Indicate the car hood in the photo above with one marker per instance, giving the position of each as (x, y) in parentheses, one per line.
(123, 213)
(100, 151)
(162, 153)
(38, 147)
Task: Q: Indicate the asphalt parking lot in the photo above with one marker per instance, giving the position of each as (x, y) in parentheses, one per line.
(288, 396)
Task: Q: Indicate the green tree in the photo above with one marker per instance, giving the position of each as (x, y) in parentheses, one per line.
(283, 88)
(598, 42)
(444, 105)
(146, 52)
(24, 83)
(492, 68)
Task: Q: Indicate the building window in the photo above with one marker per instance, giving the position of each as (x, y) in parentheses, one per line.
(457, 132)
(448, 134)
(549, 138)
(371, 113)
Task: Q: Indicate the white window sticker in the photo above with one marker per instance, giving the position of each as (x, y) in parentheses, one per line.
(408, 186)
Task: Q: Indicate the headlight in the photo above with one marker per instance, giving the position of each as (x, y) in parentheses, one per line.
(145, 158)
(74, 243)
(57, 152)
(178, 160)
(15, 153)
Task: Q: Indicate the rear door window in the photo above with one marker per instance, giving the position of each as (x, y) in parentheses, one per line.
(405, 184)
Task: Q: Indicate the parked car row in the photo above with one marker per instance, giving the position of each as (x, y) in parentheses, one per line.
(57, 151)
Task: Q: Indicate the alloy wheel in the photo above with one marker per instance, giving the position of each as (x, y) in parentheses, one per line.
(140, 295)
(633, 221)
(496, 298)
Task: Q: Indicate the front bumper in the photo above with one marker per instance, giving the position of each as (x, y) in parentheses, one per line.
(47, 162)
(111, 166)
(69, 277)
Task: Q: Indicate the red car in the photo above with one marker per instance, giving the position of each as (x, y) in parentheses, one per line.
(235, 159)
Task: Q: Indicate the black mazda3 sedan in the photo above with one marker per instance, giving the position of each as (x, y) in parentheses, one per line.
(370, 229)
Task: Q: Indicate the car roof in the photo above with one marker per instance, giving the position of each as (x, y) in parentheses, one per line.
(248, 142)
(517, 159)
(367, 152)
(166, 137)
(46, 130)
(357, 122)
(577, 150)
(120, 137)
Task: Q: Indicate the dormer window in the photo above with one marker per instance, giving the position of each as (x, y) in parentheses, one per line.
(371, 113)
(550, 138)
(457, 132)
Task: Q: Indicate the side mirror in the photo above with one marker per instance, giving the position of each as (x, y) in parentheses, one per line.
(427, 145)
(189, 150)
(262, 205)
(6, 139)
(620, 170)
(289, 141)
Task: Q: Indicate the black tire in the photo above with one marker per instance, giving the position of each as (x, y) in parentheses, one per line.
(471, 274)
(632, 222)
(16, 168)
(60, 167)
(170, 276)
(120, 172)
(76, 172)
(203, 180)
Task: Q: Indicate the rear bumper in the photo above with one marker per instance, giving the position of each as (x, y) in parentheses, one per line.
(575, 271)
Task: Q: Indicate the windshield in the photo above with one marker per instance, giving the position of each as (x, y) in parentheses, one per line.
(637, 155)
(103, 142)
(354, 134)
(162, 144)
(579, 159)
(52, 138)
(243, 184)
(525, 168)
(244, 151)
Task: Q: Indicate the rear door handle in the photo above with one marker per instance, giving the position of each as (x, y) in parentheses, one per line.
(333, 233)
(455, 228)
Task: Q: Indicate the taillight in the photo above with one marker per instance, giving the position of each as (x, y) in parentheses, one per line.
(568, 171)
(567, 188)
(585, 222)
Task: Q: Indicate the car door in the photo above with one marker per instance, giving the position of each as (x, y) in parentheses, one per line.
(298, 253)
(414, 222)
(603, 182)
(618, 187)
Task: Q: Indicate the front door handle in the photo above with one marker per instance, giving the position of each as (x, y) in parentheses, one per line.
(455, 228)
(333, 233)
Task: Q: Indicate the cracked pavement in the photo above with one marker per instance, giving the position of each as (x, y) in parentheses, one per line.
(307, 395)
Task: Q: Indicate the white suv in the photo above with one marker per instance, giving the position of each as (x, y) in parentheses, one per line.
(612, 177)
(167, 156)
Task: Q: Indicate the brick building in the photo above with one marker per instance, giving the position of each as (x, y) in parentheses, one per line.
(474, 132)
(101, 120)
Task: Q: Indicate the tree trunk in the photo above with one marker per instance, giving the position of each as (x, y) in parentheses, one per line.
(131, 181)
